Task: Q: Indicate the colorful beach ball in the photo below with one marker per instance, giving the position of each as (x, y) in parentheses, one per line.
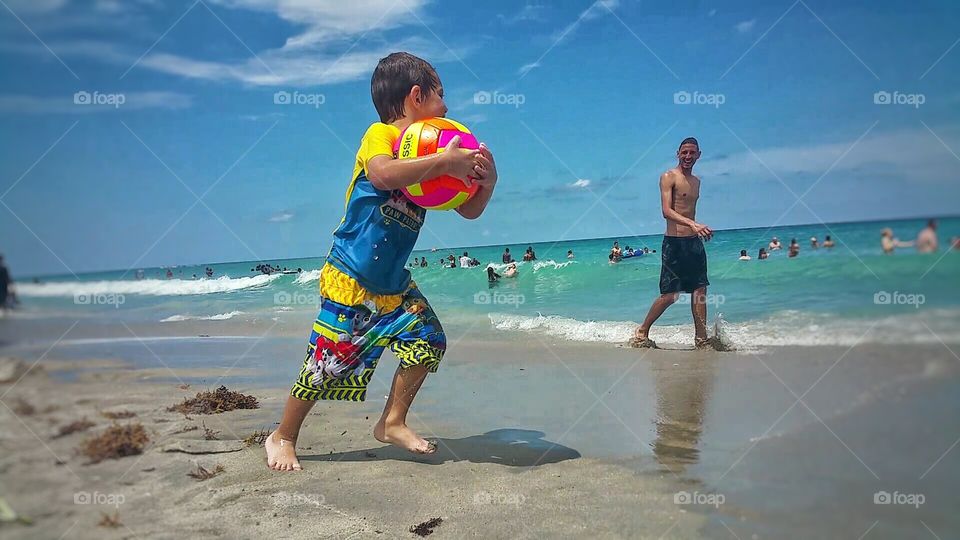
(430, 137)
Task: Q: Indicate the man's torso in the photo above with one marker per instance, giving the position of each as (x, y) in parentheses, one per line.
(685, 193)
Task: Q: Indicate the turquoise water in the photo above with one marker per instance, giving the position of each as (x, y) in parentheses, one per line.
(823, 296)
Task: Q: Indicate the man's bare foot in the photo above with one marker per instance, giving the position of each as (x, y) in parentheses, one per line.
(403, 437)
(281, 454)
(712, 343)
(641, 341)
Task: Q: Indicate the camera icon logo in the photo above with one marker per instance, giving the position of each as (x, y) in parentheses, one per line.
(281, 97)
(881, 98)
(81, 497)
(881, 497)
(681, 98)
(82, 299)
(681, 497)
(482, 97)
(482, 297)
(282, 298)
(81, 98)
(882, 298)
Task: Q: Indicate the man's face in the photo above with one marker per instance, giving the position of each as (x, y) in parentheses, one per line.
(688, 155)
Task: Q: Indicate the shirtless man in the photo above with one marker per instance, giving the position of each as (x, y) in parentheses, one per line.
(927, 239)
(684, 260)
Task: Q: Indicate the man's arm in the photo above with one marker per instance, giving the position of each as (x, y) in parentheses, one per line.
(666, 206)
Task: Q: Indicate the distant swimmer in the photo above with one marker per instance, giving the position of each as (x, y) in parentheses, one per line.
(616, 254)
(794, 248)
(828, 242)
(683, 266)
(209, 271)
(423, 262)
(169, 274)
(570, 254)
(927, 239)
(506, 257)
(492, 275)
(763, 254)
(628, 251)
(744, 256)
(813, 242)
(511, 270)
(5, 282)
(139, 274)
(774, 244)
(465, 260)
(530, 255)
(889, 243)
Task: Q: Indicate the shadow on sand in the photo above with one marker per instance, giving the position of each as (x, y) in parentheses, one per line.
(512, 447)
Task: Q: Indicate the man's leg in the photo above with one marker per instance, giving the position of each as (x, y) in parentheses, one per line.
(698, 307)
(281, 444)
(656, 310)
(392, 427)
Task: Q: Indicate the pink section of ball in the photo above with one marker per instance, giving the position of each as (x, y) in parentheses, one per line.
(467, 140)
(436, 198)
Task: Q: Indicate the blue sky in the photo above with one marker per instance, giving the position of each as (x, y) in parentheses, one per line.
(584, 117)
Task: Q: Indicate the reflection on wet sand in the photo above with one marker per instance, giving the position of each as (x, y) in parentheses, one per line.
(682, 396)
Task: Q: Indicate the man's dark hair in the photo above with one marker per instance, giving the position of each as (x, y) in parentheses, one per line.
(689, 140)
(392, 80)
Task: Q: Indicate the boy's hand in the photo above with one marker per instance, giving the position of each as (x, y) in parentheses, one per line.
(459, 162)
(485, 171)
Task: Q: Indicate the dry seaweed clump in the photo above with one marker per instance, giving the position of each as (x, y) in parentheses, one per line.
(112, 522)
(202, 473)
(257, 438)
(77, 425)
(116, 415)
(426, 528)
(216, 401)
(116, 442)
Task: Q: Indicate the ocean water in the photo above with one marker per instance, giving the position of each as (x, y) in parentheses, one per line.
(841, 296)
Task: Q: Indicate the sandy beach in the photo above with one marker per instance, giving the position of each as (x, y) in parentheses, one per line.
(536, 440)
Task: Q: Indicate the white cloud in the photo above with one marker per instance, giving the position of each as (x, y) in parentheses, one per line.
(524, 69)
(745, 26)
(915, 155)
(581, 183)
(312, 56)
(27, 7)
(596, 9)
(12, 103)
(281, 217)
(529, 12)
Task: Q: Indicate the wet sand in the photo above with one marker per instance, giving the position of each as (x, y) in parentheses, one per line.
(537, 439)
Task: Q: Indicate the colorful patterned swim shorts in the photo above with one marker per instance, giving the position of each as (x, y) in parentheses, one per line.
(357, 325)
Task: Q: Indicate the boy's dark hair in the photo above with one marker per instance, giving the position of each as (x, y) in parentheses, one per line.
(689, 140)
(392, 80)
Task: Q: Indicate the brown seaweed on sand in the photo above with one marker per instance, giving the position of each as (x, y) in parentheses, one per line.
(426, 528)
(23, 407)
(116, 442)
(116, 415)
(256, 438)
(216, 401)
(77, 425)
(202, 473)
(106, 520)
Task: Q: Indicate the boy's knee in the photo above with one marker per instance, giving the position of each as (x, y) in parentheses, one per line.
(670, 298)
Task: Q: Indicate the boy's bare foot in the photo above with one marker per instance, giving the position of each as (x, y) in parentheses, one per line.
(281, 454)
(641, 341)
(403, 437)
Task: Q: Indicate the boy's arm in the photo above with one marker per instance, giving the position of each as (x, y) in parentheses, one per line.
(487, 179)
(388, 173)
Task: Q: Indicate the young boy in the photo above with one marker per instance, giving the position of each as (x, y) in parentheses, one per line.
(364, 286)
